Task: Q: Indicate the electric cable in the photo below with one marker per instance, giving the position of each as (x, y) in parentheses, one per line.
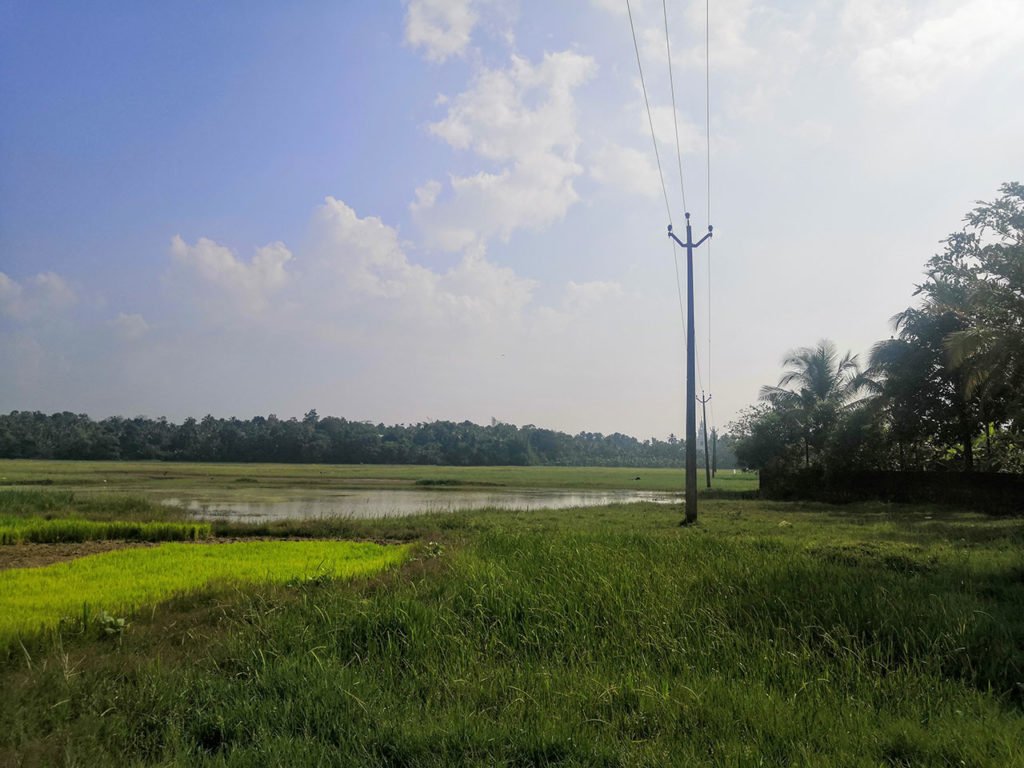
(675, 119)
(650, 120)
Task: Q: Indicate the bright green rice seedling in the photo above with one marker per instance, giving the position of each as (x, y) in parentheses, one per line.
(38, 531)
(32, 599)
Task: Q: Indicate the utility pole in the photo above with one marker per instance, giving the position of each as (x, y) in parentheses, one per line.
(691, 385)
(714, 451)
(704, 422)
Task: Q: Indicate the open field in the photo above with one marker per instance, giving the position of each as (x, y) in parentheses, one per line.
(34, 599)
(272, 481)
(768, 634)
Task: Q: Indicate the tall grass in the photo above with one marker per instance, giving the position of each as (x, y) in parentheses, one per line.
(63, 516)
(73, 530)
(613, 638)
(55, 504)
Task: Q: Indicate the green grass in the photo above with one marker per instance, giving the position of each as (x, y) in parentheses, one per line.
(769, 634)
(20, 531)
(45, 516)
(32, 599)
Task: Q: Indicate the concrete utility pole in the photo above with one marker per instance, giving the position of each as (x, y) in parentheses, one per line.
(704, 423)
(691, 385)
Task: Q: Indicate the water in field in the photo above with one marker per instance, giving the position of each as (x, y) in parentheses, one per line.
(387, 503)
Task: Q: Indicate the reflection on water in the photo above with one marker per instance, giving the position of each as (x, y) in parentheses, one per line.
(387, 503)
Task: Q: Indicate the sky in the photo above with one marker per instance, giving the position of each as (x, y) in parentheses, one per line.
(451, 209)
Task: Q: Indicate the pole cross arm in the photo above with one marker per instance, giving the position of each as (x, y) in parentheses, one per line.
(689, 244)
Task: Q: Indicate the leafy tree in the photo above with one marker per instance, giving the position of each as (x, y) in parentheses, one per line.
(956, 373)
(990, 259)
(817, 386)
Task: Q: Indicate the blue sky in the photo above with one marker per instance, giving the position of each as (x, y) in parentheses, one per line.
(449, 208)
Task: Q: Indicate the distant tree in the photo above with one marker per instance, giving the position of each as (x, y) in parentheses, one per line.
(765, 437)
(817, 386)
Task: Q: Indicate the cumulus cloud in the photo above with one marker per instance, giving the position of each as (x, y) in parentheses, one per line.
(130, 326)
(363, 256)
(691, 136)
(10, 292)
(612, 6)
(441, 28)
(39, 297)
(522, 120)
(250, 284)
(942, 49)
(366, 260)
(426, 196)
(627, 170)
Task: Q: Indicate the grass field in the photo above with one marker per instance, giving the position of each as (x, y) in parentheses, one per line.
(34, 599)
(272, 481)
(769, 634)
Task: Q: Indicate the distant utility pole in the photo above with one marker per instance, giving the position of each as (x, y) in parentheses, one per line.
(691, 387)
(714, 451)
(704, 422)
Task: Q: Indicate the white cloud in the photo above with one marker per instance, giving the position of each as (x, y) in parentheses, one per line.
(442, 28)
(426, 196)
(730, 30)
(691, 136)
(815, 131)
(523, 119)
(495, 119)
(363, 259)
(870, 22)
(250, 284)
(482, 291)
(618, 7)
(130, 327)
(943, 50)
(10, 293)
(40, 297)
(627, 170)
(364, 256)
(584, 296)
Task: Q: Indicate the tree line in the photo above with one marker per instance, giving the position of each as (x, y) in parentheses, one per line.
(326, 440)
(945, 392)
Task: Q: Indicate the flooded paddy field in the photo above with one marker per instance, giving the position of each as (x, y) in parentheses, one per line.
(375, 503)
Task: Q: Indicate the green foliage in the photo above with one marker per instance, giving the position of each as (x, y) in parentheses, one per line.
(958, 365)
(802, 417)
(326, 440)
(949, 384)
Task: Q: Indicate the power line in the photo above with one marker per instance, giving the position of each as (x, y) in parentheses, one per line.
(650, 120)
(689, 322)
(675, 119)
(707, 127)
(657, 156)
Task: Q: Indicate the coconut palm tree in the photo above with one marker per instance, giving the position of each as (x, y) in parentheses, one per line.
(816, 386)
